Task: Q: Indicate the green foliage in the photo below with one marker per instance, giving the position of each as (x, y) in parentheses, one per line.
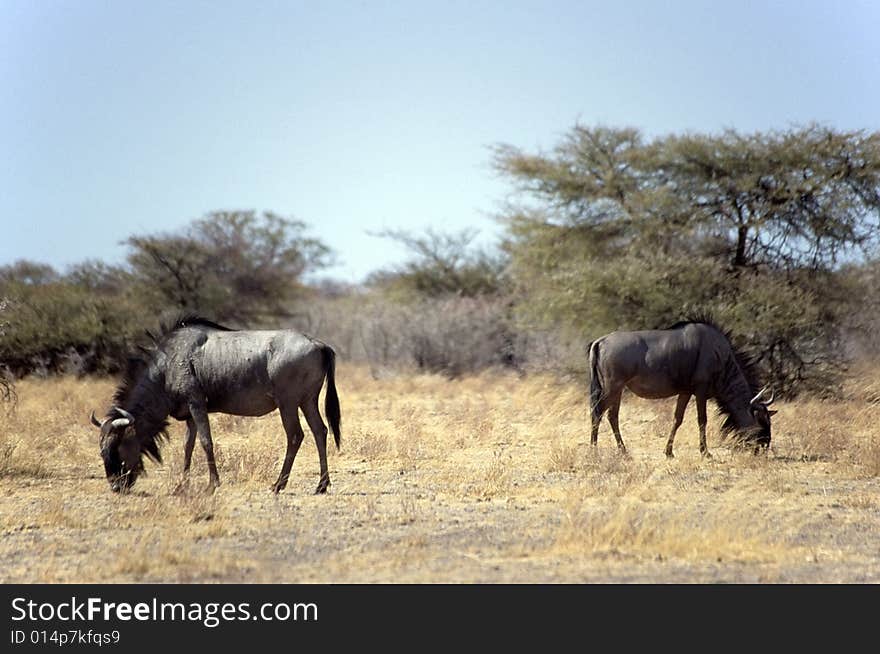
(440, 265)
(234, 266)
(99, 277)
(801, 198)
(59, 325)
(27, 272)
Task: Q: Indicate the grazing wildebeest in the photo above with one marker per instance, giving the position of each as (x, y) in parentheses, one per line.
(198, 367)
(693, 357)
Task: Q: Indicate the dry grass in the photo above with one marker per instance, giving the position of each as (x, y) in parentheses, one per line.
(486, 478)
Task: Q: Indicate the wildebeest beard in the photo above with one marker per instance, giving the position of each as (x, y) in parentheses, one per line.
(758, 436)
(123, 453)
(120, 474)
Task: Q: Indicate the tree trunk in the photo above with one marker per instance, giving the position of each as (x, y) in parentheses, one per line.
(739, 259)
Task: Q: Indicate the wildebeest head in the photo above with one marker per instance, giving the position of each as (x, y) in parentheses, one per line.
(120, 448)
(758, 406)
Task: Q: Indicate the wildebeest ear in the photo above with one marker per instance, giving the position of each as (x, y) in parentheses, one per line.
(772, 413)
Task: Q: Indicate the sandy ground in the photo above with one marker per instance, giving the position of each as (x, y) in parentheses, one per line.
(485, 479)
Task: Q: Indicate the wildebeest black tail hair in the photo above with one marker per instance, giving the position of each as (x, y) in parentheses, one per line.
(331, 399)
(595, 384)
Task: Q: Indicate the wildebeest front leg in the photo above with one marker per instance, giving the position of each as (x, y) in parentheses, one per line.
(680, 407)
(290, 420)
(613, 410)
(319, 430)
(199, 415)
(188, 446)
(701, 421)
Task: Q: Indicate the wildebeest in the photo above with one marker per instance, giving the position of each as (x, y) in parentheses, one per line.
(692, 357)
(197, 367)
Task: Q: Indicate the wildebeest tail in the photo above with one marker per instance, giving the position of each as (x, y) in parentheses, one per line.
(595, 384)
(331, 399)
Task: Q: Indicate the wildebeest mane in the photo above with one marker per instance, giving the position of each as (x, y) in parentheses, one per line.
(136, 366)
(192, 320)
(744, 361)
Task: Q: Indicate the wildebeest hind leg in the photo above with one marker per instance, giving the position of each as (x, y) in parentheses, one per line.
(290, 420)
(680, 406)
(613, 410)
(319, 429)
(203, 428)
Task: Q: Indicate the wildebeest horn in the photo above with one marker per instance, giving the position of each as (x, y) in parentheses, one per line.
(95, 421)
(120, 422)
(761, 394)
(772, 397)
(125, 414)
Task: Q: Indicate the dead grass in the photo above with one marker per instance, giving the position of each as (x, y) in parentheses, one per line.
(486, 478)
(627, 527)
(563, 457)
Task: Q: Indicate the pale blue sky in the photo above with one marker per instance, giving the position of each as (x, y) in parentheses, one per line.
(122, 117)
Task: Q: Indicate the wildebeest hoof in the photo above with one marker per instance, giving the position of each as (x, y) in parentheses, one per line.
(277, 488)
(321, 489)
(706, 454)
(669, 454)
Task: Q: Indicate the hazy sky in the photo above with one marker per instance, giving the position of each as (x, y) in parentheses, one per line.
(125, 117)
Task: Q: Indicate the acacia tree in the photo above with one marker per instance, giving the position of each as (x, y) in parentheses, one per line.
(440, 264)
(232, 265)
(614, 231)
(797, 199)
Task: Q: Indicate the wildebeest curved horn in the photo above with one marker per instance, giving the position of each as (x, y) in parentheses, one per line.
(772, 397)
(125, 414)
(759, 395)
(95, 421)
(120, 422)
